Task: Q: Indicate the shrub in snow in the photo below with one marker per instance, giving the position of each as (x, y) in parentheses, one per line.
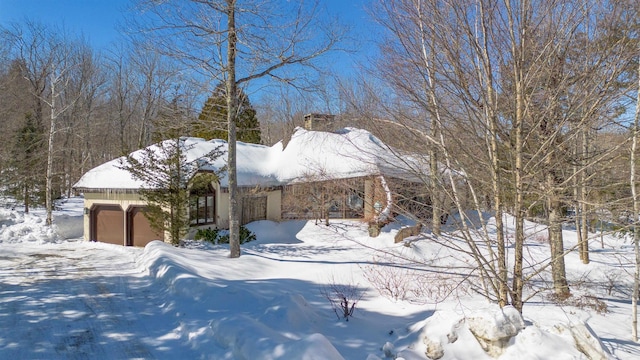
(400, 282)
(245, 235)
(214, 236)
(585, 302)
(393, 282)
(342, 297)
(208, 235)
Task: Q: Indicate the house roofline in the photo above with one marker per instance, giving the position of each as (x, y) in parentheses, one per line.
(106, 190)
(223, 189)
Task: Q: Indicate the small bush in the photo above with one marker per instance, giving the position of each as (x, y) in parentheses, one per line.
(245, 235)
(585, 302)
(208, 235)
(343, 298)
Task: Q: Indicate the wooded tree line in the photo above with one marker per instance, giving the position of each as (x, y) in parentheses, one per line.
(65, 102)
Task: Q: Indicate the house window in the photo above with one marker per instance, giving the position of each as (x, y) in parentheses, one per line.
(202, 206)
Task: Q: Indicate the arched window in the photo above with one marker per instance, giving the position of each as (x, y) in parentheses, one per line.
(202, 205)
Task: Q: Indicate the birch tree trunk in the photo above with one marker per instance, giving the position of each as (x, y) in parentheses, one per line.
(636, 213)
(518, 278)
(434, 125)
(492, 135)
(232, 87)
(518, 21)
(52, 129)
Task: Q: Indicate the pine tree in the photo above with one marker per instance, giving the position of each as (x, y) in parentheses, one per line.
(212, 121)
(25, 164)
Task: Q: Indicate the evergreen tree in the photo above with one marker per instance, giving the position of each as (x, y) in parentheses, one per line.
(25, 164)
(166, 174)
(212, 121)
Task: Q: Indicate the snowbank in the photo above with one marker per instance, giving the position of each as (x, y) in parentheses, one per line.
(17, 226)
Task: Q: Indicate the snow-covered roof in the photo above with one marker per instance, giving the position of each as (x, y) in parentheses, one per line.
(308, 156)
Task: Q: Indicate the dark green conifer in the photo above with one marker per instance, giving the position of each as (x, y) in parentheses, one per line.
(212, 121)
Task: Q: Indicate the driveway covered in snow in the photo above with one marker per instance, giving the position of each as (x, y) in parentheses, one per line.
(82, 300)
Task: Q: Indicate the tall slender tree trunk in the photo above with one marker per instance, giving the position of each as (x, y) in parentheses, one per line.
(518, 279)
(636, 213)
(26, 196)
(577, 200)
(49, 175)
(434, 181)
(490, 113)
(584, 208)
(234, 223)
(434, 126)
(560, 285)
(497, 203)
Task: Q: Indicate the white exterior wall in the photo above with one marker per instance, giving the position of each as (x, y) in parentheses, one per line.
(274, 207)
(222, 208)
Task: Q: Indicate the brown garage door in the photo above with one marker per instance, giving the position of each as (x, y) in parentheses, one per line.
(107, 224)
(140, 231)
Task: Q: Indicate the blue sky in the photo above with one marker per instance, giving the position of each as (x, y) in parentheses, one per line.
(97, 19)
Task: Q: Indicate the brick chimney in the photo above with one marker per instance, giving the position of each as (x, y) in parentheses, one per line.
(319, 122)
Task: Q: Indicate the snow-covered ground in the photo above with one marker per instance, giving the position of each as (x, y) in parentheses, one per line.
(61, 297)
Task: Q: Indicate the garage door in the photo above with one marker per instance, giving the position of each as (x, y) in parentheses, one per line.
(108, 224)
(140, 231)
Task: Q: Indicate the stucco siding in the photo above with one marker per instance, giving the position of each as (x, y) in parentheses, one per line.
(274, 205)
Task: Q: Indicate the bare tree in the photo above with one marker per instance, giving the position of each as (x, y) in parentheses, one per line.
(77, 143)
(48, 59)
(494, 88)
(281, 112)
(64, 60)
(237, 43)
